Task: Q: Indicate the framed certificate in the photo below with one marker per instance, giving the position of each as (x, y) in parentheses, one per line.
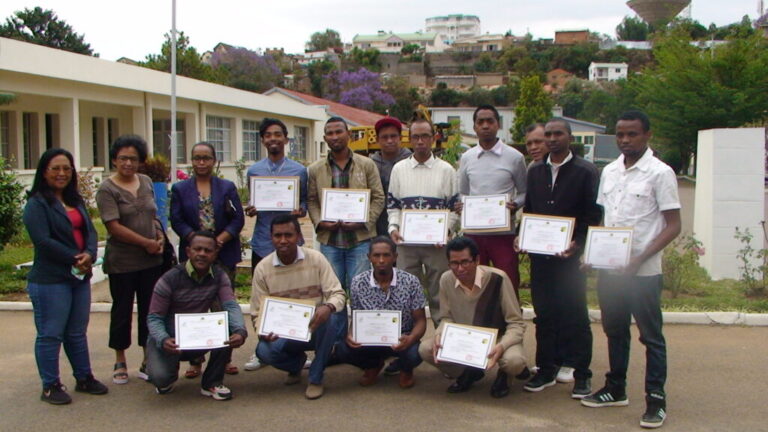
(466, 345)
(346, 205)
(197, 331)
(485, 213)
(608, 248)
(274, 193)
(546, 235)
(426, 227)
(286, 318)
(376, 327)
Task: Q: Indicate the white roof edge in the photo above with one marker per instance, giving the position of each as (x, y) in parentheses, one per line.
(27, 58)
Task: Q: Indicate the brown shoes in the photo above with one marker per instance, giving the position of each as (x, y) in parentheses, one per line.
(406, 379)
(314, 391)
(370, 376)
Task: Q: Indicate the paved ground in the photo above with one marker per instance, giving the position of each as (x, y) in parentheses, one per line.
(717, 383)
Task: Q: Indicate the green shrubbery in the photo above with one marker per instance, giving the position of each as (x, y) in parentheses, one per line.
(10, 204)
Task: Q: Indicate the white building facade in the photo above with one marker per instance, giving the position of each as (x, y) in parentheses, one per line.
(608, 71)
(82, 103)
(451, 28)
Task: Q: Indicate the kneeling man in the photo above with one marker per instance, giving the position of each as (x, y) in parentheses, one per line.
(192, 287)
(387, 288)
(298, 273)
(478, 295)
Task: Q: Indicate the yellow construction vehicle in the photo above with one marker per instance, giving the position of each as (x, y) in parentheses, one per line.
(363, 138)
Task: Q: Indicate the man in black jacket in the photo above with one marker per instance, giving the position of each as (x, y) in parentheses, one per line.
(563, 184)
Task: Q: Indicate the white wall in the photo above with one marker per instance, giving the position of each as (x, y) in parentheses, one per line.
(730, 175)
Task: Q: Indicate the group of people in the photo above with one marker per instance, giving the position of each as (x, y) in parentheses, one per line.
(473, 279)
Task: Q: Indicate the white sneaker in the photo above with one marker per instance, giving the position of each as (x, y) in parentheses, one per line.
(565, 375)
(307, 363)
(219, 393)
(253, 363)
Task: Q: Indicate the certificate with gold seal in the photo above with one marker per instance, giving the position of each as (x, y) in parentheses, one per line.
(376, 327)
(608, 247)
(346, 205)
(426, 227)
(544, 234)
(466, 345)
(274, 193)
(198, 331)
(286, 318)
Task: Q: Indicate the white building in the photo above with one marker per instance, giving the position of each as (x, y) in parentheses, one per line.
(453, 27)
(394, 42)
(608, 71)
(82, 103)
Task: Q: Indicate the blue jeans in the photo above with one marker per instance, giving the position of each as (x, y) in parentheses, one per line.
(61, 314)
(288, 355)
(347, 263)
(624, 297)
(163, 367)
(370, 357)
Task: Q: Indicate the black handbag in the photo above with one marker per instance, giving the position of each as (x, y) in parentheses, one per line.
(169, 255)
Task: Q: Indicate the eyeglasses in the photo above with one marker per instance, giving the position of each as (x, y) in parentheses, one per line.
(62, 168)
(422, 137)
(463, 263)
(124, 159)
(202, 158)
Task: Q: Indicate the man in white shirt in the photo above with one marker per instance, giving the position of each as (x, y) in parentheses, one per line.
(640, 191)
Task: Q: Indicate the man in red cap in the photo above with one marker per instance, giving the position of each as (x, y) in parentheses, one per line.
(388, 132)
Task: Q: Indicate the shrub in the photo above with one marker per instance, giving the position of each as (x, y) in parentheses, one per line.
(11, 200)
(753, 264)
(157, 168)
(680, 264)
(88, 186)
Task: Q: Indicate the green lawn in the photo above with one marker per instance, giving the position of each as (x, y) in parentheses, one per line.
(20, 251)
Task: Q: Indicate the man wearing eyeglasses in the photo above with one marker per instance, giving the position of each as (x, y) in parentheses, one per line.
(422, 182)
(478, 295)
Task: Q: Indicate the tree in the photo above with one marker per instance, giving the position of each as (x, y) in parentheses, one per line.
(407, 98)
(691, 89)
(188, 61)
(11, 197)
(316, 71)
(360, 89)
(369, 58)
(485, 63)
(321, 41)
(633, 29)
(691, 27)
(410, 49)
(43, 27)
(442, 96)
(740, 29)
(247, 70)
(533, 106)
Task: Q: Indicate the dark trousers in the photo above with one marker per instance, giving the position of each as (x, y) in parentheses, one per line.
(499, 250)
(369, 357)
(621, 298)
(124, 287)
(163, 367)
(559, 294)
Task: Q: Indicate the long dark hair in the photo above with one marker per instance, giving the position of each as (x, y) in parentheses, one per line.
(70, 194)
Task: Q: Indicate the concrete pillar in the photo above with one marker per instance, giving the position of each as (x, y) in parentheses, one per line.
(70, 130)
(730, 193)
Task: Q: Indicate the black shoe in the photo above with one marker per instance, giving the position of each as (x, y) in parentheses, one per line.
(525, 375)
(91, 385)
(655, 411)
(55, 394)
(393, 368)
(539, 382)
(500, 386)
(465, 380)
(605, 397)
(582, 387)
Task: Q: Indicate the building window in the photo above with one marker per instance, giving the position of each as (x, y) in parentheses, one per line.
(29, 129)
(589, 139)
(161, 136)
(298, 144)
(5, 134)
(218, 133)
(251, 140)
(578, 138)
(97, 136)
(618, 70)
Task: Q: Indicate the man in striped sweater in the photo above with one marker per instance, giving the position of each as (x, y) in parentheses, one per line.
(298, 273)
(191, 287)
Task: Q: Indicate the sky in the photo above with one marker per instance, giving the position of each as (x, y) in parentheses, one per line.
(135, 28)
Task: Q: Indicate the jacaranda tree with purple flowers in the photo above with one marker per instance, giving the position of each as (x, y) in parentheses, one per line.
(360, 89)
(247, 70)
